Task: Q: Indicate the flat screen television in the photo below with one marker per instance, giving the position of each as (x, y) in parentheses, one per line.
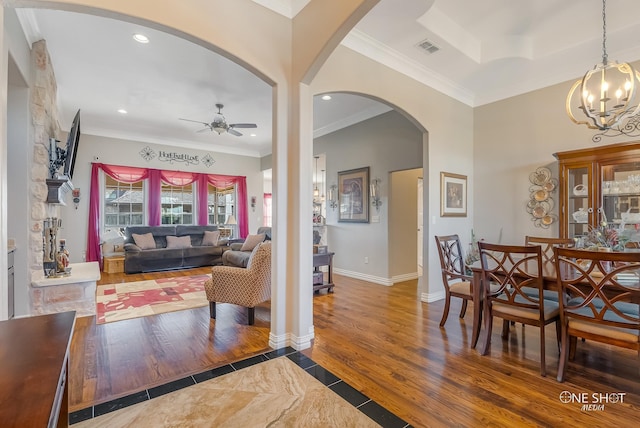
(72, 147)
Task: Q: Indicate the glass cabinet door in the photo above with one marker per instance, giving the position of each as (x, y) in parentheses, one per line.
(621, 198)
(578, 206)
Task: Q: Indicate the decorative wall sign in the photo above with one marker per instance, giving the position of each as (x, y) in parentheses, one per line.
(148, 154)
(540, 201)
(172, 157)
(208, 160)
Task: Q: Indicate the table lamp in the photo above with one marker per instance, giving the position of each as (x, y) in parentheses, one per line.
(231, 222)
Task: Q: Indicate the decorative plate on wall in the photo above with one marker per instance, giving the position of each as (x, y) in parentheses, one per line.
(540, 202)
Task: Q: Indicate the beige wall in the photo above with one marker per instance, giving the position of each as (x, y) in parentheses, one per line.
(447, 141)
(513, 137)
(385, 143)
(403, 222)
(115, 151)
(260, 40)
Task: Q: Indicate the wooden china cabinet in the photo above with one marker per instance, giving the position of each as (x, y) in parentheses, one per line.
(597, 180)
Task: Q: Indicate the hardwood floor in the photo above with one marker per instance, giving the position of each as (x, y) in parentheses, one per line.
(382, 341)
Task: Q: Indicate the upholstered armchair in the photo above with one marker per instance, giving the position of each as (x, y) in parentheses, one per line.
(242, 286)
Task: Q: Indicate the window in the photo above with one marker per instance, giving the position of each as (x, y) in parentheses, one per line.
(123, 204)
(177, 204)
(267, 210)
(220, 203)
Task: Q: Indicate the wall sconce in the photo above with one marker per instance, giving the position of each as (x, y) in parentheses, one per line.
(76, 196)
(375, 193)
(253, 203)
(333, 196)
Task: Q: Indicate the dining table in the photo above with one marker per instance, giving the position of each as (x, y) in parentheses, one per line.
(549, 282)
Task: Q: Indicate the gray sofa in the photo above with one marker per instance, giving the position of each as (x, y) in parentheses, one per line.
(237, 258)
(162, 258)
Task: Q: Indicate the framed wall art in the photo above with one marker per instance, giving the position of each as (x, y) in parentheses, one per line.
(453, 195)
(353, 195)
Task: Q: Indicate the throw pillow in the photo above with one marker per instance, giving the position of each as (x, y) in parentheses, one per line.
(144, 241)
(211, 238)
(251, 242)
(178, 241)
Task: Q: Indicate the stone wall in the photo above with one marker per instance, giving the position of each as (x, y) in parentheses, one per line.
(46, 125)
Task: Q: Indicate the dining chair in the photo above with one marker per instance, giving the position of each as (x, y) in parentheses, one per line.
(601, 299)
(516, 271)
(548, 244)
(456, 282)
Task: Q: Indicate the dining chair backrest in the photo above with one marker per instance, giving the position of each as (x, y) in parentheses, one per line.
(515, 271)
(548, 244)
(600, 288)
(451, 257)
(456, 282)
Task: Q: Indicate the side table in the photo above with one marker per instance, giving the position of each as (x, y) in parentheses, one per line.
(113, 264)
(324, 260)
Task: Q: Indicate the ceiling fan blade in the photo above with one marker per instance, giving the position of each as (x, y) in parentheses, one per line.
(196, 121)
(234, 132)
(243, 125)
(203, 129)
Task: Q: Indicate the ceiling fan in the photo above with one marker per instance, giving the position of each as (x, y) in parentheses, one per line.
(220, 125)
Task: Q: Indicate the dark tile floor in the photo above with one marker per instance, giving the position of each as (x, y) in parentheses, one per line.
(370, 408)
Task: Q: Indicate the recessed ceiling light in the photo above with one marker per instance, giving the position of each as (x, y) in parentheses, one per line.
(253, 135)
(140, 38)
(326, 97)
(122, 111)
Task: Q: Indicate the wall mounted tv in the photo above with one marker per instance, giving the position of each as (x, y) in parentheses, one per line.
(65, 158)
(72, 146)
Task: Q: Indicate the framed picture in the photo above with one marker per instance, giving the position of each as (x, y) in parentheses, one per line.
(353, 195)
(453, 195)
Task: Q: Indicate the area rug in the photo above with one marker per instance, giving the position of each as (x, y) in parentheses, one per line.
(116, 302)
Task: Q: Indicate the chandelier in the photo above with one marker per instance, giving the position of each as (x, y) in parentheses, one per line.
(607, 94)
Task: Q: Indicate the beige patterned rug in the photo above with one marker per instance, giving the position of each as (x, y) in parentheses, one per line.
(116, 302)
(276, 393)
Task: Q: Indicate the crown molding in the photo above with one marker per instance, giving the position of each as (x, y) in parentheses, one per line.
(286, 8)
(352, 120)
(29, 25)
(362, 43)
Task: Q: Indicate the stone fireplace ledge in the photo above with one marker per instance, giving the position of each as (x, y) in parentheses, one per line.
(76, 292)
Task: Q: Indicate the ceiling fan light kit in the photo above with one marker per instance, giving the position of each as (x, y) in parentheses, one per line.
(220, 125)
(607, 94)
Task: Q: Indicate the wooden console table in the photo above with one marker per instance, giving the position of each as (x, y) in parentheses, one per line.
(33, 370)
(324, 260)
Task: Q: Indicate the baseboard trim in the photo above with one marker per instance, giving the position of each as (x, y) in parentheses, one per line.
(296, 342)
(404, 277)
(432, 297)
(370, 278)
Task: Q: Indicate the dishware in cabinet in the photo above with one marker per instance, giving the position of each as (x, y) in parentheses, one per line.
(597, 184)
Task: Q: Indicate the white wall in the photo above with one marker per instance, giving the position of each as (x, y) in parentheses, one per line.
(385, 143)
(124, 152)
